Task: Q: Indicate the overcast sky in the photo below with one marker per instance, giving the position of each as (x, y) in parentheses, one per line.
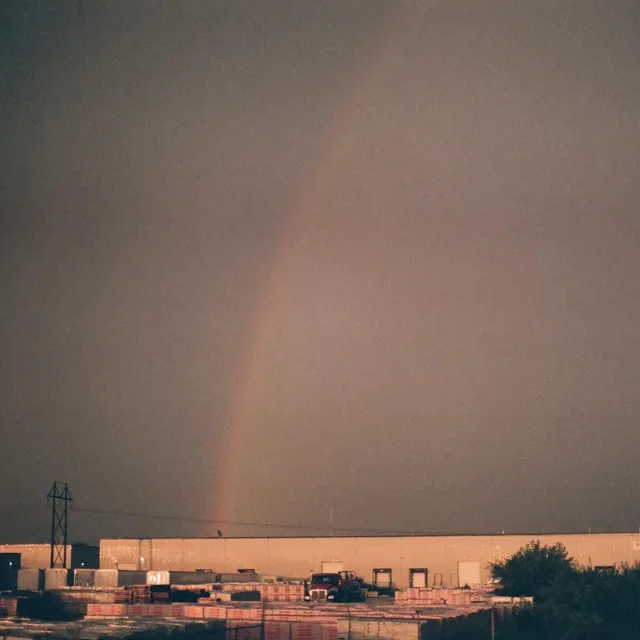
(366, 266)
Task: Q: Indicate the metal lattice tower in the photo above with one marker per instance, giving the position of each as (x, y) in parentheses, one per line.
(60, 499)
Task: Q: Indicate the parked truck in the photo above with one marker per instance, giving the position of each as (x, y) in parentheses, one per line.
(343, 586)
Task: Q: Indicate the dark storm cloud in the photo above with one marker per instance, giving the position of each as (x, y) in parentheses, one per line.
(411, 227)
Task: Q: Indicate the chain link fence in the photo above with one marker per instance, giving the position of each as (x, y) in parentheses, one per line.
(472, 625)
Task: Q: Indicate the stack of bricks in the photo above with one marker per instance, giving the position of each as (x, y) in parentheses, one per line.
(237, 586)
(8, 607)
(269, 591)
(123, 596)
(281, 592)
(135, 610)
(300, 631)
(440, 596)
(316, 622)
(428, 596)
(257, 612)
(160, 596)
(508, 601)
(245, 632)
(141, 593)
(98, 610)
(196, 588)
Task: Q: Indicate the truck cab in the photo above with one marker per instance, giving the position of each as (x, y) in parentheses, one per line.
(343, 586)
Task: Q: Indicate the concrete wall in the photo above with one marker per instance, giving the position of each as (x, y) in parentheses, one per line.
(296, 557)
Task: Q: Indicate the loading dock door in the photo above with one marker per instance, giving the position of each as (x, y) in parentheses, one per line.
(9, 566)
(418, 578)
(382, 578)
(468, 574)
(332, 567)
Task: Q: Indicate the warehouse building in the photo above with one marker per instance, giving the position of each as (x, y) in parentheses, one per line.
(384, 561)
(38, 556)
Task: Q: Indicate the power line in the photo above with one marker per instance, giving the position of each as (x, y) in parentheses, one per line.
(272, 525)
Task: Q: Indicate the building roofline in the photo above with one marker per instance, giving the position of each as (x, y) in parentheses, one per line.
(533, 536)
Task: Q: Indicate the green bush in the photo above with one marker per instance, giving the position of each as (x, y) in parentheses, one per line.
(570, 603)
(532, 570)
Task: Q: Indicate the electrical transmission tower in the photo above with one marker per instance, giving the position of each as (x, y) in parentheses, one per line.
(60, 499)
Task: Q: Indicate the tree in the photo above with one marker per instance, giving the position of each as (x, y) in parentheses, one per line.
(532, 570)
(570, 603)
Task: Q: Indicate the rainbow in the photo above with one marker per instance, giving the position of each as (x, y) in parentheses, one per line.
(307, 203)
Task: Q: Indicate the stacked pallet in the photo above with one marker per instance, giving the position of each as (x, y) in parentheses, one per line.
(237, 586)
(160, 596)
(24, 629)
(122, 595)
(136, 610)
(323, 622)
(8, 607)
(300, 631)
(106, 610)
(258, 612)
(429, 596)
(141, 593)
(197, 588)
(508, 601)
(269, 592)
(244, 632)
(301, 612)
(281, 592)
(237, 596)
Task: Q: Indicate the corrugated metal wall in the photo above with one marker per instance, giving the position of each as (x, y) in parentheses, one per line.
(296, 557)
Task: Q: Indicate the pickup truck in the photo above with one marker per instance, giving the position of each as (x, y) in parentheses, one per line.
(333, 587)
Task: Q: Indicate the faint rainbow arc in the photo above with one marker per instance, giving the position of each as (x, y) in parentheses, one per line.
(305, 203)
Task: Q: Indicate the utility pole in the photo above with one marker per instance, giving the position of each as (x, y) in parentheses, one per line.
(493, 623)
(60, 499)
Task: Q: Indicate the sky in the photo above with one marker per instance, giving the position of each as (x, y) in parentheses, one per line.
(318, 268)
